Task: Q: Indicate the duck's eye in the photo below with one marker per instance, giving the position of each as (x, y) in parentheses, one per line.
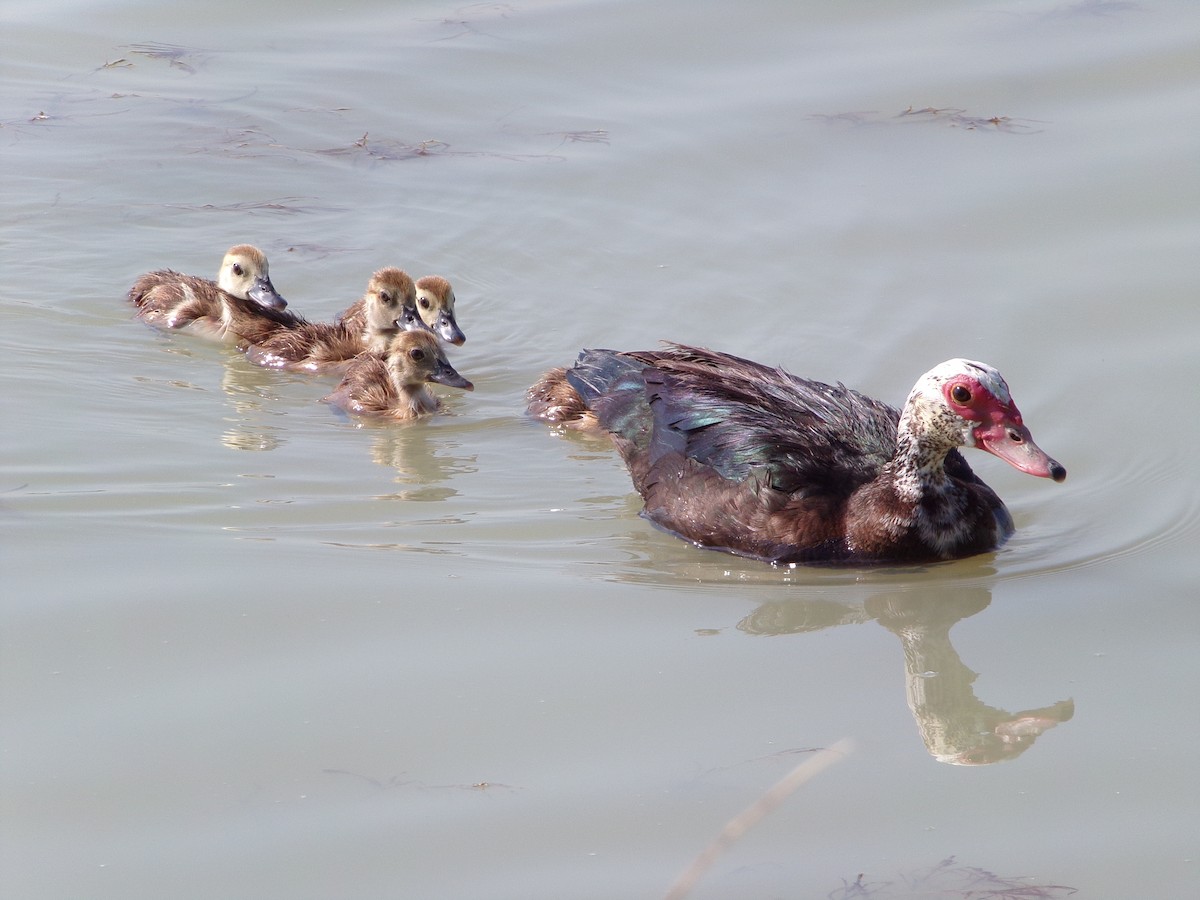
(424, 301)
(238, 270)
(960, 394)
(387, 298)
(416, 354)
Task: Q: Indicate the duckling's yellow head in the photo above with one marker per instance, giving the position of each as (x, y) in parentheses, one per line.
(416, 357)
(389, 291)
(246, 275)
(435, 304)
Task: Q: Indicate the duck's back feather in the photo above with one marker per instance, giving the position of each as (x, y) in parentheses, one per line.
(739, 417)
(143, 293)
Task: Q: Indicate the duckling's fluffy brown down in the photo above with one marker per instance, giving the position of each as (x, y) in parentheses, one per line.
(170, 300)
(395, 384)
(328, 347)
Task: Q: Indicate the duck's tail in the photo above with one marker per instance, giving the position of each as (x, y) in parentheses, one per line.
(602, 384)
(553, 399)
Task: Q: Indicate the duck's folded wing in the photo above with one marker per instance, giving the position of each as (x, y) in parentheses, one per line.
(796, 437)
(611, 385)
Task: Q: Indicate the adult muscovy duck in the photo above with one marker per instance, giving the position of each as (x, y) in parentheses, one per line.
(737, 456)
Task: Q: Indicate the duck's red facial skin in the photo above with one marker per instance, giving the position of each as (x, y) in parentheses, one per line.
(1000, 431)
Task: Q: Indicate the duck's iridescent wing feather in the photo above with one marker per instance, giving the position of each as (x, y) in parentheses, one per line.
(740, 418)
(611, 385)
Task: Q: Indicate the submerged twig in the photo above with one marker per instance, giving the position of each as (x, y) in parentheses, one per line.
(753, 814)
(595, 136)
(954, 118)
(176, 56)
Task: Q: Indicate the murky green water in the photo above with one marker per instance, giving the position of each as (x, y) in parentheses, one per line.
(252, 649)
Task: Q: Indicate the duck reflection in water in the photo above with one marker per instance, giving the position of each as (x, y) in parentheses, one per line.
(957, 727)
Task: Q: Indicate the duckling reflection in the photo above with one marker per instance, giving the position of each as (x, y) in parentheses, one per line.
(253, 419)
(957, 727)
(252, 439)
(424, 467)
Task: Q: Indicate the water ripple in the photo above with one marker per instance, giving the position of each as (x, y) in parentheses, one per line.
(1128, 511)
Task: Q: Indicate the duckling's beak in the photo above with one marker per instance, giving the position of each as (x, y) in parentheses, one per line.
(446, 374)
(1009, 439)
(445, 327)
(263, 293)
(409, 320)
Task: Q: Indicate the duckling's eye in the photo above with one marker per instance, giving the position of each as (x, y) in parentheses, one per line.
(425, 304)
(960, 394)
(386, 298)
(416, 354)
(238, 270)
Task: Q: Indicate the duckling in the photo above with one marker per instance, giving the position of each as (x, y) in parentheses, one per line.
(435, 303)
(433, 310)
(386, 308)
(393, 384)
(170, 300)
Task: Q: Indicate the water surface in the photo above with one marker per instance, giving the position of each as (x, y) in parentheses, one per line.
(252, 648)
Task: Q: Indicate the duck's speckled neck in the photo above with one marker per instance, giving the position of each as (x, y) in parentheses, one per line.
(926, 433)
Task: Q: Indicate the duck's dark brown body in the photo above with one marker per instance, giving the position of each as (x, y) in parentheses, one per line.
(741, 457)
